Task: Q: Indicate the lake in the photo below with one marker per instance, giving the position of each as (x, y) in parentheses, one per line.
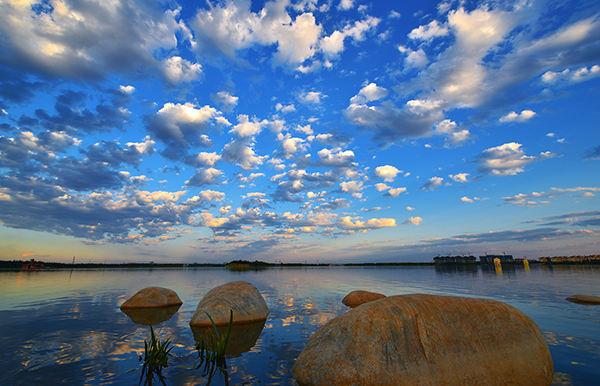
(65, 327)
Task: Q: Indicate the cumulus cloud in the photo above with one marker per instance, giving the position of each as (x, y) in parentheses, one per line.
(311, 97)
(225, 100)
(51, 39)
(374, 223)
(178, 70)
(569, 76)
(413, 221)
(505, 160)
(333, 44)
(433, 183)
(370, 92)
(387, 172)
(525, 115)
(180, 127)
(353, 187)
(395, 192)
(460, 177)
(203, 177)
(229, 28)
(429, 31)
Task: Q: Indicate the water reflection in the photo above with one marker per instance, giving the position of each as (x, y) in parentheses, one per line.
(72, 332)
(151, 316)
(243, 336)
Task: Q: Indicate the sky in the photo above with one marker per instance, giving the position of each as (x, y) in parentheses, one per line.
(298, 130)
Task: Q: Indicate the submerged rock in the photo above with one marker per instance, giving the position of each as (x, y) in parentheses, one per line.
(427, 340)
(584, 299)
(242, 297)
(151, 297)
(356, 298)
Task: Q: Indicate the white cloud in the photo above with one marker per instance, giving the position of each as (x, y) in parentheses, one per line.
(567, 75)
(247, 128)
(127, 89)
(381, 186)
(410, 208)
(387, 172)
(460, 177)
(395, 192)
(346, 4)
(311, 97)
(416, 59)
(178, 70)
(285, 109)
(204, 177)
(374, 223)
(503, 160)
(525, 115)
(335, 157)
(291, 145)
(333, 44)
(87, 42)
(429, 31)
(225, 100)
(352, 187)
(413, 221)
(207, 159)
(370, 92)
(433, 183)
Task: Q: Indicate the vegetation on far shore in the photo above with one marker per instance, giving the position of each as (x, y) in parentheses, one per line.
(254, 265)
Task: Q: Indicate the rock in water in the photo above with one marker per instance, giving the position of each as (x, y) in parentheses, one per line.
(427, 340)
(356, 298)
(242, 297)
(151, 297)
(585, 299)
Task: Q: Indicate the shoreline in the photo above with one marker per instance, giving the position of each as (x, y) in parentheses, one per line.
(26, 265)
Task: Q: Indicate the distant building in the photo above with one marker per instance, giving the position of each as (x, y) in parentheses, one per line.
(489, 259)
(454, 259)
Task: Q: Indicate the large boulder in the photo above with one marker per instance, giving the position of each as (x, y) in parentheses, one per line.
(427, 340)
(242, 297)
(151, 297)
(585, 299)
(356, 298)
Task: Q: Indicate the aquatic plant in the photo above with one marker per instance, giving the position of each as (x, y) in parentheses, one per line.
(212, 351)
(156, 356)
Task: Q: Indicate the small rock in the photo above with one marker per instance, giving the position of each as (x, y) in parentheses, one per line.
(151, 297)
(585, 299)
(356, 298)
(242, 297)
(427, 340)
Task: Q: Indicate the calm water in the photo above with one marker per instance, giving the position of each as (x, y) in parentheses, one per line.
(62, 327)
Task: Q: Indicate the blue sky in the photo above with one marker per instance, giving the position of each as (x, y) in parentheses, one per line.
(330, 131)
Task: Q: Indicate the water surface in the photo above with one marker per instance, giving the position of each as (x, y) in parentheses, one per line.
(65, 327)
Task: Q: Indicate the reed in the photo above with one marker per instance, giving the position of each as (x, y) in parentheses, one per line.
(156, 357)
(212, 351)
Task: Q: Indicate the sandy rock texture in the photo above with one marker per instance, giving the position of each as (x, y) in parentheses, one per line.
(151, 297)
(356, 298)
(427, 340)
(242, 297)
